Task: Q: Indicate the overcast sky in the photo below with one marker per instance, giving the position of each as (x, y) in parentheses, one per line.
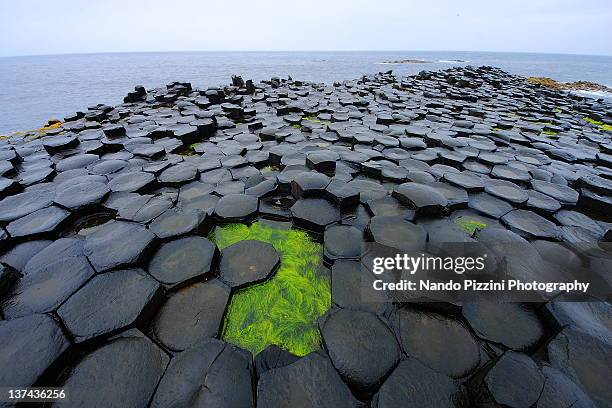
(61, 26)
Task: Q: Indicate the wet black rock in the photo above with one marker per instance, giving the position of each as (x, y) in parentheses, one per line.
(183, 259)
(314, 214)
(173, 223)
(37, 336)
(117, 244)
(236, 207)
(396, 232)
(191, 314)
(489, 205)
(310, 382)
(512, 325)
(585, 359)
(209, 374)
(273, 357)
(107, 303)
(514, 381)
(122, 373)
(131, 182)
(440, 342)
(361, 347)
(81, 192)
(309, 184)
(50, 277)
(413, 385)
(41, 222)
(530, 224)
(342, 242)
(426, 200)
(561, 392)
(22, 204)
(248, 262)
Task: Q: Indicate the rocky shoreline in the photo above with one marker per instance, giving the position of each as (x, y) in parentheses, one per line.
(114, 284)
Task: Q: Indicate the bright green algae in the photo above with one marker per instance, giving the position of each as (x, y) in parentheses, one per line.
(470, 226)
(283, 310)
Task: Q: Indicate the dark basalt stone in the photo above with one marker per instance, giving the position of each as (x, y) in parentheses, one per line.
(530, 224)
(361, 347)
(309, 184)
(310, 382)
(561, 392)
(78, 161)
(512, 325)
(49, 278)
(236, 208)
(398, 233)
(122, 373)
(323, 161)
(541, 202)
(117, 244)
(191, 314)
(420, 333)
(590, 317)
(173, 223)
(341, 242)
(426, 200)
(81, 192)
(314, 214)
(489, 205)
(561, 193)
(19, 255)
(273, 357)
(131, 182)
(506, 191)
(465, 180)
(44, 221)
(348, 280)
(413, 385)
(209, 374)
(585, 359)
(107, 303)
(514, 381)
(22, 204)
(178, 174)
(247, 262)
(389, 206)
(38, 336)
(183, 259)
(56, 144)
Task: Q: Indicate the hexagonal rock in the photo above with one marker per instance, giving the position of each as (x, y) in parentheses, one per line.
(209, 374)
(514, 381)
(131, 181)
(389, 206)
(586, 360)
(323, 161)
(183, 259)
(310, 382)
(109, 302)
(81, 192)
(49, 278)
(78, 161)
(413, 385)
(590, 317)
(116, 244)
(37, 336)
(511, 324)
(425, 199)
(489, 205)
(507, 191)
(396, 232)
(309, 184)
(468, 181)
(191, 314)
(314, 214)
(22, 204)
(561, 392)
(272, 357)
(347, 288)
(341, 242)
(236, 207)
(439, 342)
(530, 225)
(122, 373)
(21, 253)
(361, 347)
(178, 174)
(247, 262)
(175, 222)
(43, 221)
(563, 194)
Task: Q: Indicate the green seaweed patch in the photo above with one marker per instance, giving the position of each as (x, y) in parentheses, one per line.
(296, 126)
(284, 309)
(470, 226)
(550, 132)
(599, 124)
(314, 119)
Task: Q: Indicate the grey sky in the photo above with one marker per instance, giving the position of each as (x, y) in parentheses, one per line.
(62, 26)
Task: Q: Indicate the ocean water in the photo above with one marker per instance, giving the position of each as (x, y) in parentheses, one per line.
(37, 88)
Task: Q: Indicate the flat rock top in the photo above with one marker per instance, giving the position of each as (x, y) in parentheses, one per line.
(248, 262)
